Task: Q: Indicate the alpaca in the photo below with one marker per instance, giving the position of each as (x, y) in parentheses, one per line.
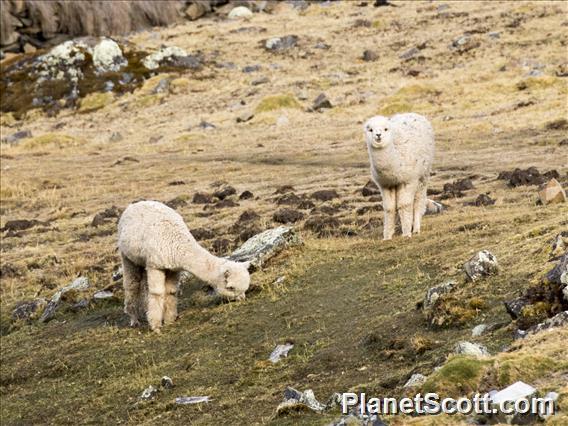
(401, 150)
(155, 245)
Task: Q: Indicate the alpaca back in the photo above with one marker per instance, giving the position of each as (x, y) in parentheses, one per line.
(414, 140)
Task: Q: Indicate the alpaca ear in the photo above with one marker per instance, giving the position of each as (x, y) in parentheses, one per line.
(227, 274)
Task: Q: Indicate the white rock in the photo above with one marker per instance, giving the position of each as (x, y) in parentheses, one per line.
(478, 330)
(279, 352)
(103, 294)
(149, 393)
(282, 121)
(415, 380)
(482, 264)
(473, 349)
(186, 400)
(516, 391)
(433, 207)
(107, 56)
(153, 60)
(240, 12)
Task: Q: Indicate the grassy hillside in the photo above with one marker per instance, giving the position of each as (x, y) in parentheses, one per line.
(348, 299)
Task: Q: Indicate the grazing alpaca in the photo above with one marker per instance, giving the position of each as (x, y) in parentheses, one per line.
(153, 240)
(401, 151)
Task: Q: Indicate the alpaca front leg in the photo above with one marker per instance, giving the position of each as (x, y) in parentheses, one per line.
(404, 203)
(170, 304)
(389, 206)
(156, 297)
(132, 283)
(419, 208)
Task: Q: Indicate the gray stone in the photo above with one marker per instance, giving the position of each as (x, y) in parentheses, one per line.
(188, 400)
(280, 44)
(260, 248)
(415, 380)
(27, 310)
(515, 306)
(279, 352)
(259, 81)
(294, 399)
(558, 320)
(245, 116)
(433, 207)
(251, 68)
(79, 284)
(409, 54)
(471, 349)
(370, 55)
(149, 393)
(15, 138)
(434, 293)
(116, 137)
(321, 102)
(482, 264)
(478, 330)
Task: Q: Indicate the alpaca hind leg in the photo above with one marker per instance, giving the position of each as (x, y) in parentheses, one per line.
(170, 304)
(132, 283)
(156, 297)
(419, 207)
(389, 206)
(404, 204)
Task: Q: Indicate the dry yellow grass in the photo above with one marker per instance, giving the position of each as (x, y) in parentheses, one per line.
(337, 290)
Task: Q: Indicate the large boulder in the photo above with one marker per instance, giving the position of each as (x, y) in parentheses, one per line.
(482, 264)
(265, 245)
(552, 193)
(79, 284)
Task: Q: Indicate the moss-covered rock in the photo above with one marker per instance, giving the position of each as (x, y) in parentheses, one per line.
(95, 101)
(275, 102)
(460, 376)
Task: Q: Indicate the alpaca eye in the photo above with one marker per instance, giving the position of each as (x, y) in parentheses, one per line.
(386, 129)
(230, 288)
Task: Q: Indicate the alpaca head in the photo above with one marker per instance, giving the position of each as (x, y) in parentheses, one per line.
(235, 280)
(378, 132)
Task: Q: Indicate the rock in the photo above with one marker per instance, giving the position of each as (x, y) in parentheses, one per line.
(415, 381)
(459, 185)
(433, 207)
(117, 275)
(28, 310)
(104, 294)
(115, 137)
(562, 70)
(21, 224)
(279, 352)
(558, 320)
(201, 198)
(280, 44)
(62, 62)
(465, 43)
(206, 126)
(370, 55)
(471, 349)
(370, 189)
(167, 382)
(174, 56)
(552, 193)
(245, 116)
(286, 215)
(101, 218)
(295, 401)
(409, 54)
(187, 400)
(260, 248)
(79, 284)
(322, 45)
(240, 12)
(482, 200)
(494, 35)
(478, 330)
(225, 192)
(246, 195)
(149, 393)
(325, 195)
(15, 138)
(321, 102)
(259, 81)
(514, 392)
(530, 176)
(108, 57)
(196, 10)
(251, 68)
(434, 293)
(282, 121)
(482, 264)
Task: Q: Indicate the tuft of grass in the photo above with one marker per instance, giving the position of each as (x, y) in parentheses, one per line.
(396, 107)
(52, 140)
(95, 101)
(459, 376)
(275, 102)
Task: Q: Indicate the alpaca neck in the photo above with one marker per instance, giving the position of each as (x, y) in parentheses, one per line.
(201, 263)
(387, 164)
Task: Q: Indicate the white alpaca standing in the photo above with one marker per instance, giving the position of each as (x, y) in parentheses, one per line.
(153, 240)
(401, 150)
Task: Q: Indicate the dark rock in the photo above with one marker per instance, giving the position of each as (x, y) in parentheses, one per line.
(28, 309)
(434, 293)
(504, 175)
(552, 174)
(322, 225)
(558, 320)
(206, 126)
(21, 225)
(409, 54)
(560, 124)
(246, 195)
(259, 81)
(459, 185)
(555, 274)
(176, 202)
(201, 198)
(530, 176)
(225, 192)
(321, 102)
(289, 199)
(16, 137)
(370, 56)
(201, 234)
(563, 142)
(245, 116)
(515, 306)
(251, 68)
(284, 189)
(176, 183)
(103, 217)
(380, 3)
(286, 215)
(482, 200)
(325, 195)
(370, 189)
(280, 44)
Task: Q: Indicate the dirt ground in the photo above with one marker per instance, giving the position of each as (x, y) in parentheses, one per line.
(348, 299)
